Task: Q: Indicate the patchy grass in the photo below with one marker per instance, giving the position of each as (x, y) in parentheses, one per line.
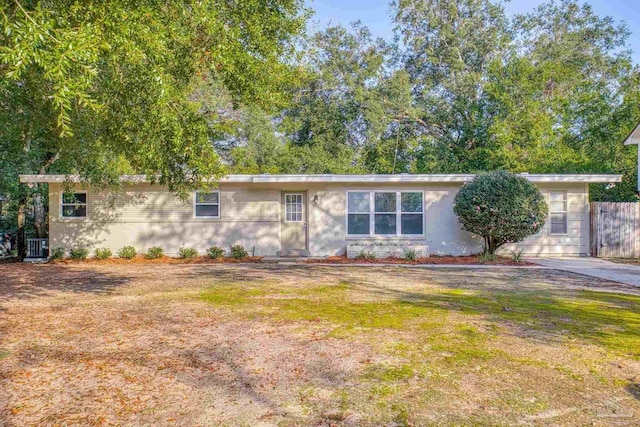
(237, 345)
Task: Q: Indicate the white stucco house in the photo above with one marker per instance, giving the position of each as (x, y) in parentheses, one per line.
(320, 215)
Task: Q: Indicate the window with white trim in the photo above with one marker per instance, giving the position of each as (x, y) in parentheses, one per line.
(206, 204)
(73, 204)
(558, 212)
(385, 213)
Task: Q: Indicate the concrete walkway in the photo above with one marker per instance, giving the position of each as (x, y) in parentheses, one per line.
(594, 267)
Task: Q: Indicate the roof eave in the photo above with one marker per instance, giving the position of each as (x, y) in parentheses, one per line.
(361, 179)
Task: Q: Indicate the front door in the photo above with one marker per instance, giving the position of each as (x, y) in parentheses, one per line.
(293, 234)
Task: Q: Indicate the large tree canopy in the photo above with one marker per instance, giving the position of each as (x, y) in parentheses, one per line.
(469, 89)
(98, 88)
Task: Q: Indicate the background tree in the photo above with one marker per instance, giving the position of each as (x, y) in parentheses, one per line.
(501, 207)
(100, 88)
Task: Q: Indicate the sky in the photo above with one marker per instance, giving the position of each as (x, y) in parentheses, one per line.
(375, 14)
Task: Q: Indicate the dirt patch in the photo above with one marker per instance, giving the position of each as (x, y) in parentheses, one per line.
(434, 259)
(195, 344)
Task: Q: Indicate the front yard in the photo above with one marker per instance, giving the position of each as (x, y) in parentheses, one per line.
(192, 344)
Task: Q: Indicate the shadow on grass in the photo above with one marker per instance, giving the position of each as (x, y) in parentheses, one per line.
(22, 280)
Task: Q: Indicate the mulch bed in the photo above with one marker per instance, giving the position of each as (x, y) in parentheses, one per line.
(164, 260)
(435, 259)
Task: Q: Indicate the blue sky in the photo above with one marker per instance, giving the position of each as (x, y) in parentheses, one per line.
(375, 14)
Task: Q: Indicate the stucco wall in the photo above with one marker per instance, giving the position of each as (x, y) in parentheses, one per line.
(443, 233)
(144, 215)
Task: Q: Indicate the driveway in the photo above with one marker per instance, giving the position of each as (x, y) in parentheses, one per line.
(595, 267)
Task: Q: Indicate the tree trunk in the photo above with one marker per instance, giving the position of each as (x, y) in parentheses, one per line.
(22, 248)
(38, 213)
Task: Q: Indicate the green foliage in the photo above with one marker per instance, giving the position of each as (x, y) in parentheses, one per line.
(365, 255)
(79, 253)
(501, 207)
(517, 256)
(187, 253)
(103, 88)
(410, 254)
(102, 253)
(215, 252)
(128, 252)
(238, 252)
(487, 257)
(154, 252)
(56, 254)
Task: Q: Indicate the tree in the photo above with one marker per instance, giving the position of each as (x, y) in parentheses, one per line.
(501, 207)
(100, 88)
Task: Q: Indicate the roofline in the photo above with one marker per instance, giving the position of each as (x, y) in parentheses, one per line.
(330, 178)
(630, 139)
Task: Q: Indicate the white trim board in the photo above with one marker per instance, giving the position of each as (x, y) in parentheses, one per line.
(326, 178)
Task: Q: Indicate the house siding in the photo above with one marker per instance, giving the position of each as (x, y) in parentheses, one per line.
(145, 215)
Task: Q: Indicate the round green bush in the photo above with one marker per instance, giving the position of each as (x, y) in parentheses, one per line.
(501, 207)
(128, 252)
(215, 252)
(154, 252)
(188, 253)
(79, 253)
(56, 253)
(238, 252)
(102, 253)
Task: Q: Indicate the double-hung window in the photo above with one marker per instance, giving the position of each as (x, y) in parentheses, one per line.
(206, 204)
(73, 204)
(385, 213)
(558, 212)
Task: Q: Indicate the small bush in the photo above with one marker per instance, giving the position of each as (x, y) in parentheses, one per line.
(487, 257)
(103, 253)
(215, 252)
(79, 253)
(188, 253)
(155, 252)
(238, 252)
(56, 253)
(366, 255)
(517, 256)
(128, 252)
(410, 254)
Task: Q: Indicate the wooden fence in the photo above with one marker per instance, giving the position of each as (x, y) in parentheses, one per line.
(615, 230)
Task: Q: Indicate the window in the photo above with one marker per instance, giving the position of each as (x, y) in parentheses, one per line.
(358, 213)
(73, 205)
(558, 212)
(293, 207)
(207, 205)
(385, 213)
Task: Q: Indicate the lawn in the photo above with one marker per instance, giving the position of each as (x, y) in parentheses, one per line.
(185, 344)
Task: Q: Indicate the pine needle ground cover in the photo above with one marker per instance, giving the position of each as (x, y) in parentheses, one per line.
(193, 344)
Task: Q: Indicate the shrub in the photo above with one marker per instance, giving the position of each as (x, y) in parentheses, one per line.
(238, 252)
(128, 252)
(154, 252)
(56, 253)
(410, 254)
(366, 255)
(188, 253)
(79, 253)
(501, 207)
(487, 257)
(215, 252)
(517, 256)
(102, 253)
